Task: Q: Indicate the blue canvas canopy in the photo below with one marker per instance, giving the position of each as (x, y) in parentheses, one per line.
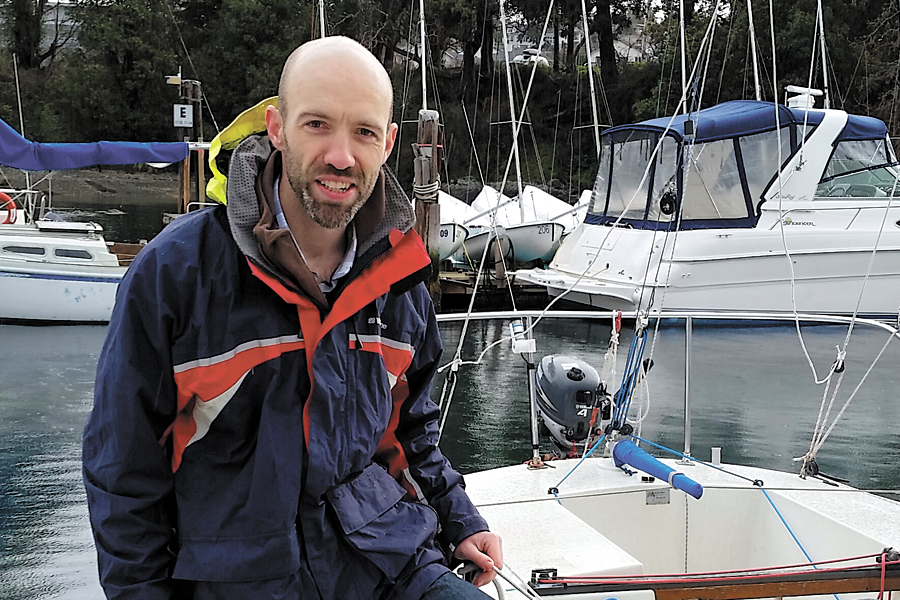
(20, 153)
(748, 117)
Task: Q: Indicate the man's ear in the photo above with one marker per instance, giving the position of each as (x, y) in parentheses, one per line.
(389, 141)
(275, 127)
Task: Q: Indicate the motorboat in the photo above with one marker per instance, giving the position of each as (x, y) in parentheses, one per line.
(53, 271)
(598, 512)
(57, 271)
(743, 206)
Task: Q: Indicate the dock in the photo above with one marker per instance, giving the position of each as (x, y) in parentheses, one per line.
(492, 293)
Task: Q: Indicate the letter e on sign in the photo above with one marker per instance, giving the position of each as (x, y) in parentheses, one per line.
(184, 115)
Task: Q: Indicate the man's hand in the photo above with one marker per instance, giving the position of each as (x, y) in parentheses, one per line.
(485, 549)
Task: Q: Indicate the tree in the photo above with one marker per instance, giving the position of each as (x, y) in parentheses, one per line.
(112, 86)
(238, 47)
(25, 23)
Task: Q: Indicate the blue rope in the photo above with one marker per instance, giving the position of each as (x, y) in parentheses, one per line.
(788, 527)
(757, 483)
(629, 378)
(555, 488)
(790, 531)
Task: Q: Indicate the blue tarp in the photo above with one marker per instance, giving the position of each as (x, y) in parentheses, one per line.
(628, 453)
(747, 117)
(19, 153)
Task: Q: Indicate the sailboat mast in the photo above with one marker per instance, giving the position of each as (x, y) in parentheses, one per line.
(753, 50)
(587, 49)
(512, 106)
(822, 47)
(683, 53)
(422, 42)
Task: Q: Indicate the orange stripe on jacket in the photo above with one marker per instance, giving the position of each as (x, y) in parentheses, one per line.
(211, 380)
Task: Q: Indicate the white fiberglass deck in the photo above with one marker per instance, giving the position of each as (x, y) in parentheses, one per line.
(606, 522)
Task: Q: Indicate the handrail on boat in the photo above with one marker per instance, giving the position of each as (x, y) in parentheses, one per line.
(750, 317)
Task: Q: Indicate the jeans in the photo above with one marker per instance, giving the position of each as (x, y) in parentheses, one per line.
(450, 587)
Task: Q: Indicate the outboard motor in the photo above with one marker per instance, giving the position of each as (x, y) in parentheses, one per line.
(568, 392)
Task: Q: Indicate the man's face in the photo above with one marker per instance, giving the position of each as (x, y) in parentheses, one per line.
(334, 137)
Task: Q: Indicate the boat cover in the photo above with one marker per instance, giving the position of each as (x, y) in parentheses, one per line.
(20, 153)
(626, 452)
(748, 117)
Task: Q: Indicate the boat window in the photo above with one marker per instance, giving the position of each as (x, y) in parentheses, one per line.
(663, 204)
(712, 186)
(760, 155)
(630, 181)
(601, 184)
(72, 253)
(856, 155)
(31, 250)
(880, 182)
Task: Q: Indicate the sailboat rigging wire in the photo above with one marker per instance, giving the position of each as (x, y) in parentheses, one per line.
(520, 587)
(756, 482)
(837, 418)
(590, 73)
(407, 77)
(555, 489)
(472, 139)
(193, 68)
(705, 47)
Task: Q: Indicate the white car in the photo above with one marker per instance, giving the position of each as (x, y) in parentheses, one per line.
(531, 56)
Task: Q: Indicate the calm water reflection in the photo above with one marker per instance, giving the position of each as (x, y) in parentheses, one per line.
(752, 394)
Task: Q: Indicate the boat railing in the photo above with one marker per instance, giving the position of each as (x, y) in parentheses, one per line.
(532, 317)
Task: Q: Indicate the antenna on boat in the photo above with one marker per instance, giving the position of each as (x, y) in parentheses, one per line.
(512, 106)
(21, 118)
(752, 33)
(590, 65)
(821, 26)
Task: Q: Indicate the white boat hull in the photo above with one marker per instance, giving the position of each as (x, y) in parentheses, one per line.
(743, 270)
(57, 272)
(450, 239)
(526, 243)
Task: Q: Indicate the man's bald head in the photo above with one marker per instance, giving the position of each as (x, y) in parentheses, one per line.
(341, 50)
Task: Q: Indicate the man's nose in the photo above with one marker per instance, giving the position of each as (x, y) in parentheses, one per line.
(340, 152)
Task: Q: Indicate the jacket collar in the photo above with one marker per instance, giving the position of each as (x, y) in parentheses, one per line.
(253, 168)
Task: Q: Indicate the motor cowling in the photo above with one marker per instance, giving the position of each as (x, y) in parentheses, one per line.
(568, 390)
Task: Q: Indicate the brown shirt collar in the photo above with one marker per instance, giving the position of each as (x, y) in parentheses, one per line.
(277, 244)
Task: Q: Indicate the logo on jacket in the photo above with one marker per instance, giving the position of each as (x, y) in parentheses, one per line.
(377, 321)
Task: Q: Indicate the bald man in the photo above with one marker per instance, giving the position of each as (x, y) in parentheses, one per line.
(262, 426)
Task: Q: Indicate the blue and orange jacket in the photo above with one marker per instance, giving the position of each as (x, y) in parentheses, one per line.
(247, 440)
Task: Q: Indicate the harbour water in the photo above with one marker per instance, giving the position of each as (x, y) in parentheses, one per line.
(757, 402)
(752, 393)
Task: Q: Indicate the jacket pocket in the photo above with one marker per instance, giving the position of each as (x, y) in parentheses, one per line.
(245, 558)
(387, 531)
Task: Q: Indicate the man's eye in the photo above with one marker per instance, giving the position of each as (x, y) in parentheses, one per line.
(367, 132)
(316, 124)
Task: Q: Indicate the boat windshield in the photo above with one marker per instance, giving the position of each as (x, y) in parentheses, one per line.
(857, 155)
(877, 182)
(860, 169)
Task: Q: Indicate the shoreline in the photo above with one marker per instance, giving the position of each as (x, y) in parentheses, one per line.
(100, 187)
